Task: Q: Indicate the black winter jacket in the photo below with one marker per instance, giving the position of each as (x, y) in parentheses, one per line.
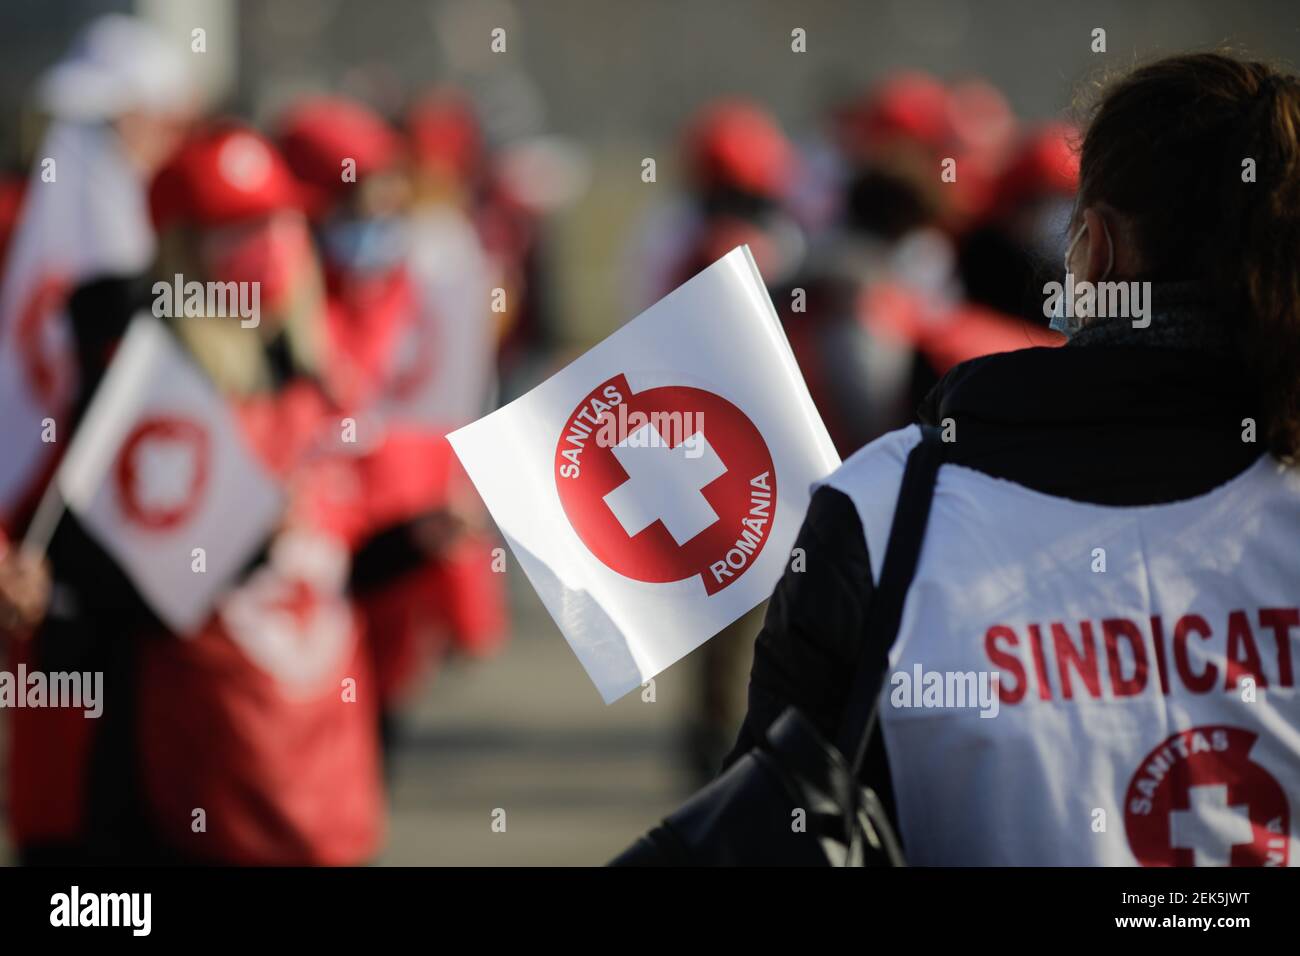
(1107, 424)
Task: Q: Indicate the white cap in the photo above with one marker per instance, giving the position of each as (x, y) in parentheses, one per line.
(117, 64)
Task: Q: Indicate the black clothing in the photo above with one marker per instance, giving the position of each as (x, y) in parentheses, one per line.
(1115, 425)
(95, 611)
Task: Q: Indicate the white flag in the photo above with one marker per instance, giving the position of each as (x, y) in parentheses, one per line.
(84, 215)
(447, 357)
(158, 468)
(652, 490)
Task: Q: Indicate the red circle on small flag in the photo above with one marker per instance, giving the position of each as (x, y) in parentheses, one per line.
(48, 369)
(667, 483)
(136, 502)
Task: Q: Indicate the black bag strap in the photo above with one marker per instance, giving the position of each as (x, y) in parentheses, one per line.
(885, 612)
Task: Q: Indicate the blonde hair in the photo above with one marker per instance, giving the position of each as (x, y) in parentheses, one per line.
(235, 357)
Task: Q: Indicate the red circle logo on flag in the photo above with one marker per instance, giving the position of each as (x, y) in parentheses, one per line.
(667, 483)
(47, 364)
(1199, 800)
(162, 472)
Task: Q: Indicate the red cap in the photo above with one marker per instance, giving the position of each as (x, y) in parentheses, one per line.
(1046, 163)
(734, 143)
(445, 134)
(223, 174)
(318, 134)
(982, 119)
(910, 106)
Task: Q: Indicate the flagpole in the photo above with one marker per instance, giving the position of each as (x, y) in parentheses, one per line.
(41, 528)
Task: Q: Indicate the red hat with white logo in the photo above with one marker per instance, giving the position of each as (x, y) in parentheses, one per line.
(319, 134)
(224, 174)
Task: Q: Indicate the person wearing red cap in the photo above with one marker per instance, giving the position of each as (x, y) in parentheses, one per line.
(735, 146)
(228, 209)
(346, 160)
(883, 313)
(289, 773)
(907, 106)
(740, 167)
(891, 211)
(421, 581)
(447, 149)
(905, 127)
(285, 771)
(504, 186)
(455, 274)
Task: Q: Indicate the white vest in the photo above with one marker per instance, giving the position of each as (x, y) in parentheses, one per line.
(1146, 664)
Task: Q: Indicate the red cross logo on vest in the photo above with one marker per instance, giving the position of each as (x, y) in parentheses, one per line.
(1199, 800)
(666, 484)
(162, 472)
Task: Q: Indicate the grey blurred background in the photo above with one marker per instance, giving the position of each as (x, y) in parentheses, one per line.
(619, 77)
(527, 731)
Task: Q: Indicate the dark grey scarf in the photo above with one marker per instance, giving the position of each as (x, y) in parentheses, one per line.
(1181, 318)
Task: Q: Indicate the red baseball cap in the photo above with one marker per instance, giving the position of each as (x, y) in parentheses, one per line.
(982, 119)
(1046, 163)
(735, 143)
(318, 134)
(225, 173)
(445, 133)
(910, 106)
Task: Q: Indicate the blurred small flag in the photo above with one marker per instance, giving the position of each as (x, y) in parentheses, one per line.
(652, 490)
(91, 219)
(448, 355)
(159, 468)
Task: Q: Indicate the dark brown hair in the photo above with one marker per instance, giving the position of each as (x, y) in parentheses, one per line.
(1166, 145)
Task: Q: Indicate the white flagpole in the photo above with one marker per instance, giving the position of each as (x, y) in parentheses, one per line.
(41, 528)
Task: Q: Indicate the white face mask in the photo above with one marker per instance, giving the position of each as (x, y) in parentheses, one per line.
(1068, 325)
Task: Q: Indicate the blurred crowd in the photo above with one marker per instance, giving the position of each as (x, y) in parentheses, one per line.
(403, 274)
(914, 230)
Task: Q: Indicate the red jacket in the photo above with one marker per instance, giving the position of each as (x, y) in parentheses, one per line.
(266, 720)
(455, 599)
(421, 604)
